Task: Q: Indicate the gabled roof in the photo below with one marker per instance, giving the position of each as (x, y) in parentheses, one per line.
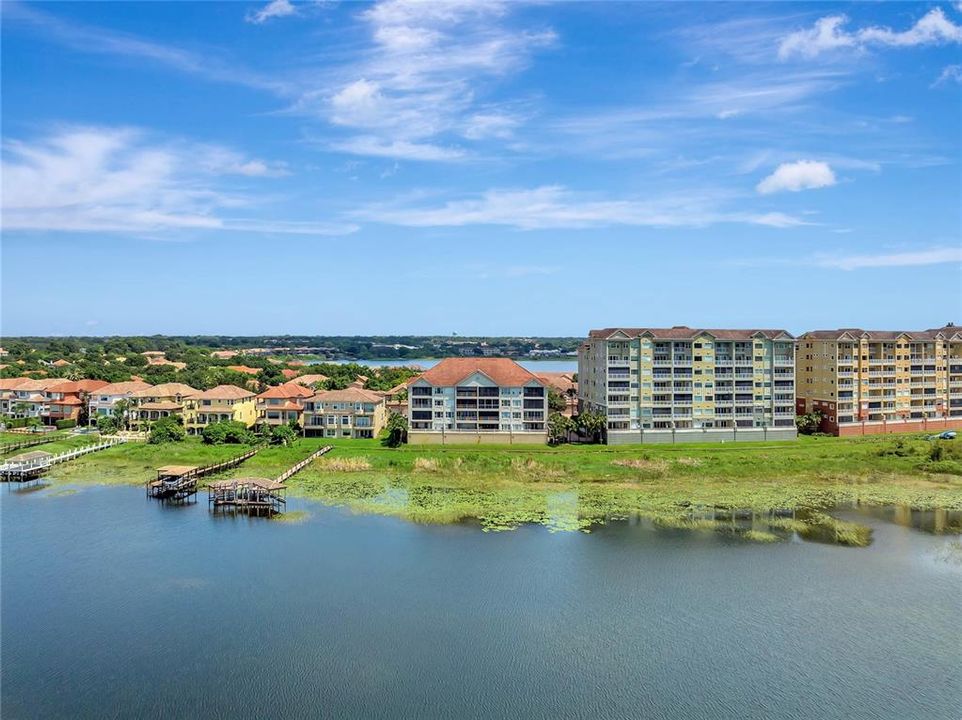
(854, 334)
(348, 395)
(12, 383)
(503, 371)
(78, 386)
(287, 390)
(166, 390)
(563, 381)
(244, 369)
(123, 388)
(683, 332)
(310, 379)
(43, 384)
(224, 392)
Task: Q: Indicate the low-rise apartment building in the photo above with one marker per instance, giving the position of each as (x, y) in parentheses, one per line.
(477, 400)
(682, 384)
(102, 401)
(282, 404)
(881, 381)
(352, 412)
(159, 401)
(224, 402)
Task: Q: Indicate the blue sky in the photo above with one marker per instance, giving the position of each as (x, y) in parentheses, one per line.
(496, 168)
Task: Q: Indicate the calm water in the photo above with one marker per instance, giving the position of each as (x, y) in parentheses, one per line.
(114, 606)
(568, 365)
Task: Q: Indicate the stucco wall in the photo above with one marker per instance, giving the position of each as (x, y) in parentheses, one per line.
(694, 436)
(931, 425)
(419, 437)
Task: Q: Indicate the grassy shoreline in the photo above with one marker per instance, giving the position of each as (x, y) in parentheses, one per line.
(577, 487)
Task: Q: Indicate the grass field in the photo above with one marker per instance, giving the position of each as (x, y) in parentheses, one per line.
(575, 487)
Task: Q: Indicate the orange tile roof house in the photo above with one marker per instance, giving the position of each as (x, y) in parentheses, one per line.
(477, 400)
(352, 412)
(29, 399)
(565, 384)
(65, 400)
(244, 369)
(309, 380)
(103, 400)
(7, 386)
(154, 403)
(282, 404)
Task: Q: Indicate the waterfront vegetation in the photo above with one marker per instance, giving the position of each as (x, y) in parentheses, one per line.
(763, 490)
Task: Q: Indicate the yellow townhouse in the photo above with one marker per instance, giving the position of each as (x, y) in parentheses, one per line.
(224, 402)
(157, 402)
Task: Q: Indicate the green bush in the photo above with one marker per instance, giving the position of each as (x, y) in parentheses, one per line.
(944, 467)
(167, 429)
(15, 422)
(228, 432)
(64, 424)
(107, 424)
(281, 435)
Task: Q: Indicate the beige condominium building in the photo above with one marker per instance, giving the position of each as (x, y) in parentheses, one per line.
(477, 400)
(682, 384)
(352, 412)
(878, 381)
(159, 401)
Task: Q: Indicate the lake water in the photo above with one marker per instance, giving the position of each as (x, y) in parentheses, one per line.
(116, 606)
(567, 365)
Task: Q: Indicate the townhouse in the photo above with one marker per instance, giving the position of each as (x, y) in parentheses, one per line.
(29, 399)
(477, 400)
(103, 400)
(567, 387)
(352, 412)
(224, 402)
(159, 401)
(66, 399)
(282, 404)
(881, 381)
(7, 388)
(682, 384)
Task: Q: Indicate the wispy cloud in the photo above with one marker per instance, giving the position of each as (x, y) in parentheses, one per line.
(929, 256)
(801, 175)
(95, 179)
(101, 41)
(557, 207)
(416, 90)
(828, 34)
(949, 75)
(273, 9)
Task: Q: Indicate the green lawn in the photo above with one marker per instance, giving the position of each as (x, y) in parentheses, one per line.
(574, 487)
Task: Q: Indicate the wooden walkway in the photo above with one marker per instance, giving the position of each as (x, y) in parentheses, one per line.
(23, 444)
(36, 464)
(179, 482)
(253, 495)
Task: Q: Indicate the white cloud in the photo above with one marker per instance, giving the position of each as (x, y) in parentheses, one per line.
(795, 176)
(420, 82)
(931, 256)
(950, 74)
(90, 179)
(557, 207)
(828, 34)
(273, 9)
(373, 146)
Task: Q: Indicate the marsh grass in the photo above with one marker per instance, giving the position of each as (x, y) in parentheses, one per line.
(294, 517)
(761, 536)
(579, 487)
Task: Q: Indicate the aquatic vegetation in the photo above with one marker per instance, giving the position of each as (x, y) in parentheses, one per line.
(292, 517)
(426, 464)
(352, 464)
(761, 536)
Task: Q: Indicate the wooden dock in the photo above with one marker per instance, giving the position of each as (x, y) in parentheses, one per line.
(33, 465)
(254, 495)
(24, 444)
(178, 483)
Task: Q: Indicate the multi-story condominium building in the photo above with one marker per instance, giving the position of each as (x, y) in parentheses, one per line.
(224, 402)
(65, 400)
(474, 400)
(282, 404)
(682, 385)
(352, 412)
(158, 401)
(874, 381)
(103, 400)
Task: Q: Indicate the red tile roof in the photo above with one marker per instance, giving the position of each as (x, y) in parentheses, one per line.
(310, 379)
(12, 383)
(287, 390)
(562, 381)
(244, 369)
(289, 374)
(78, 386)
(123, 388)
(503, 371)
